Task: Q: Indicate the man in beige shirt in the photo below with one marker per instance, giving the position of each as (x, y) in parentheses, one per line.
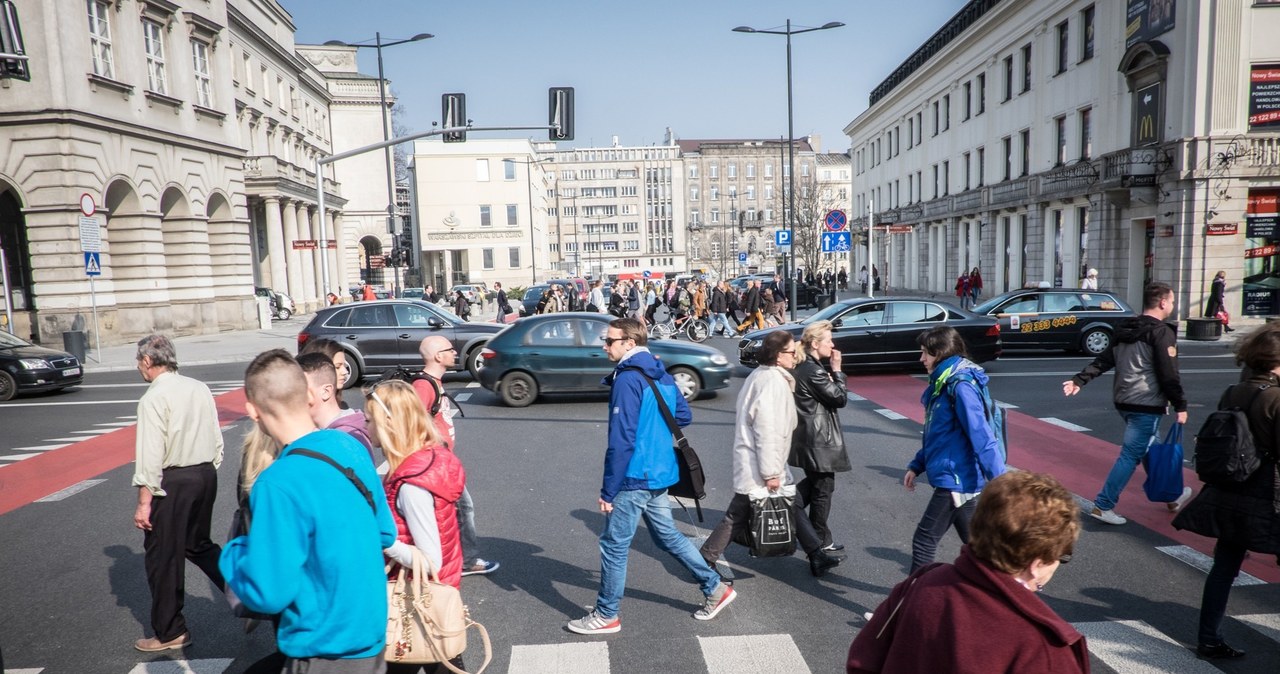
(179, 449)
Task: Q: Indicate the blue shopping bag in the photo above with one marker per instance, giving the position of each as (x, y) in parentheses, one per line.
(1164, 468)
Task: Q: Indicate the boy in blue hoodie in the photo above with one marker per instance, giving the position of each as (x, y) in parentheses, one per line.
(314, 549)
(960, 452)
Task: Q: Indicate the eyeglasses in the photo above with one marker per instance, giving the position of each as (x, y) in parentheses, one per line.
(1065, 559)
(609, 341)
(792, 352)
(372, 394)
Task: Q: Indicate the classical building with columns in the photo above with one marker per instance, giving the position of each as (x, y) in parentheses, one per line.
(1039, 139)
(191, 125)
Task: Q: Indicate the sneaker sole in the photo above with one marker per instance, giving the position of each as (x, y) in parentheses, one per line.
(603, 630)
(719, 607)
(1111, 522)
(175, 647)
(482, 572)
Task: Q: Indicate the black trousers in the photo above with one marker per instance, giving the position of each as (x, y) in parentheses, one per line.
(1227, 559)
(815, 489)
(737, 522)
(941, 514)
(180, 531)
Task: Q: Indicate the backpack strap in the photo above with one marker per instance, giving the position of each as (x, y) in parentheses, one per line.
(346, 471)
(677, 434)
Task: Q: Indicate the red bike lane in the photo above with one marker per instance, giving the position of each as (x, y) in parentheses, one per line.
(35, 478)
(1079, 461)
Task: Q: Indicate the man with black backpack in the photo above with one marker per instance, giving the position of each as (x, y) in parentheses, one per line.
(1144, 354)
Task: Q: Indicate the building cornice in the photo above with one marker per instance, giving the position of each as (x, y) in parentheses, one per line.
(89, 120)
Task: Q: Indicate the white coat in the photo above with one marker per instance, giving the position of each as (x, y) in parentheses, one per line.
(762, 434)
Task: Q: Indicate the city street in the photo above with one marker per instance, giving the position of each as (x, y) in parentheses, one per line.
(75, 595)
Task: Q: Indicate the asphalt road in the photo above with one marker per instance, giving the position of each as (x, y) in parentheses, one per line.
(74, 595)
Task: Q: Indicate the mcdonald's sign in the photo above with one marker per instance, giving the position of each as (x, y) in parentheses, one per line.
(1148, 114)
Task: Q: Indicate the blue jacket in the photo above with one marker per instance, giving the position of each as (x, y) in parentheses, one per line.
(640, 453)
(960, 453)
(314, 551)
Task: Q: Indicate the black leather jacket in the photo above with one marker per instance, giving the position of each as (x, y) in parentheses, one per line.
(818, 442)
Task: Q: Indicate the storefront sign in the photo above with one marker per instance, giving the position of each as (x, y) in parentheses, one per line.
(901, 229)
(1222, 230)
(471, 236)
(1262, 227)
(305, 244)
(1261, 277)
(1259, 303)
(1264, 96)
(1145, 19)
(1148, 115)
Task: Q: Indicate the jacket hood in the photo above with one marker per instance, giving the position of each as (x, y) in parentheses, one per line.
(1131, 330)
(946, 369)
(641, 359)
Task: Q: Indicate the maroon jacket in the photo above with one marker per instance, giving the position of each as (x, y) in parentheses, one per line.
(966, 617)
(440, 472)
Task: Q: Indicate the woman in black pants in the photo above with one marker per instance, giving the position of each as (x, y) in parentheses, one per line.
(817, 445)
(1242, 516)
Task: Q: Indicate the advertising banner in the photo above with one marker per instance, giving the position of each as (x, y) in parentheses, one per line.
(1145, 19)
(1264, 97)
(1261, 295)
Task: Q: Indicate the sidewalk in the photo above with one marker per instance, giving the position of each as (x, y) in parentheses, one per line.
(212, 349)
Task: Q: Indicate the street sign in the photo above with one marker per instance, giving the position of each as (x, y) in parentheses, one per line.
(836, 242)
(92, 263)
(87, 206)
(90, 235)
(742, 257)
(647, 274)
(782, 237)
(836, 220)
(783, 250)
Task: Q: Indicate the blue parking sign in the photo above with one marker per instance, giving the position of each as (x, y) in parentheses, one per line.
(742, 257)
(782, 237)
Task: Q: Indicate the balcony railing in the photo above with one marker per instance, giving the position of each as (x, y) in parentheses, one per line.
(270, 167)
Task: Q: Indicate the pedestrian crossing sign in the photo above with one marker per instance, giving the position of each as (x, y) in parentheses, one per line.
(92, 264)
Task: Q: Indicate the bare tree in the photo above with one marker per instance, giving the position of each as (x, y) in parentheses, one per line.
(399, 128)
(811, 209)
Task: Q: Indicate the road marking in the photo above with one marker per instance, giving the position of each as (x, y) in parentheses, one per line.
(1134, 646)
(94, 431)
(78, 402)
(1266, 623)
(854, 396)
(206, 666)
(38, 448)
(1064, 424)
(580, 658)
(462, 397)
(1203, 562)
(69, 491)
(23, 671)
(17, 457)
(474, 384)
(752, 653)
(117, 424)
(1007, 406)
(65, 439)
(889, 414)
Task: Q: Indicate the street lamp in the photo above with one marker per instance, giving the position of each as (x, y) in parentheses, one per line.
(791, 138)
(378, 44)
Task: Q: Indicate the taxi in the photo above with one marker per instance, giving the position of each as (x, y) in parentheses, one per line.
(1057, 318)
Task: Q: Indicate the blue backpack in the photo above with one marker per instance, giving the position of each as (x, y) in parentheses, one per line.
(993, 412)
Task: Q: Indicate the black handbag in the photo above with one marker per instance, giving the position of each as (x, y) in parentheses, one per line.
(693, 482)
(772, 527)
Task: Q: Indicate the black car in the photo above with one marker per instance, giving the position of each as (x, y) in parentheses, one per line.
(806, 295)
(27, 368)
(1057, 318)
(882, 331)
(384, 334)
(529, 305)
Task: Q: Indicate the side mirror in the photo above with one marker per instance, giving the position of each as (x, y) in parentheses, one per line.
(837, 323)
(435, 323)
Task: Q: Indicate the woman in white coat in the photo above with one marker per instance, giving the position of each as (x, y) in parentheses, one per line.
(761, 443)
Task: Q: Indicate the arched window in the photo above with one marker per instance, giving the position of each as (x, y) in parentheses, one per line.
(17, 257)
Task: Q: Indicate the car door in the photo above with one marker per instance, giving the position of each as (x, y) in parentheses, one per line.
(907, 319)
(859, 333)
(1017, 316)
(596, 364)
(1059, 320)
(373, 330)
(416, 322)
(553, 354)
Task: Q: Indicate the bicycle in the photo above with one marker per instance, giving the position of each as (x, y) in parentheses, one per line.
(696, 329)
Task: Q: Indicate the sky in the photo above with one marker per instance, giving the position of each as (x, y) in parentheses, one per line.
(637, 66)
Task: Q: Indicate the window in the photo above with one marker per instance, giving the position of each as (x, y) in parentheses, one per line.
(715, 192)
(1060, 134)
(485, 219)
(482, 170)
(1026, 69)
(936, 120)
(968, 100)
(693, 171)
(1022, 304)
(508, 169)
(946, 178)
(486, 257)
(1086, 34)
(204, 80)
(714, 171)
(153, 44)
(966, 171)
(1064, 42)
(100, 38)
(982, 166)
(1026, 151)
(715, 249)
(768, 170)
(768, 192)
(865, 314)
(715, 215)
(911, 132)
(1086, 133)
(946, 112)
(751, 192)
(916, 312)
(513, 258)
(733, 170)
(804, 170)
(693, 193)
(513, 217)
(751, 169)
(412, 315)
(1007, 143)
(935, 181)
(1008, 78)
(982, 93)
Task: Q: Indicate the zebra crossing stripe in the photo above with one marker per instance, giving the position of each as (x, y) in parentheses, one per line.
(205, 666)
(38, 448)
(1203, 562)
(854, 396)
(462, 397)
(69, 491)
(1005, 405)
(890, 414)
(579, 658)
(18, 457)
(1266, 623)
(1134, 647)
(1064, 424)
(23, 671)
(752, 654)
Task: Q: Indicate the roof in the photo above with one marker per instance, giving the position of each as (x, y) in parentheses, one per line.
(695, 145)
(833, 159)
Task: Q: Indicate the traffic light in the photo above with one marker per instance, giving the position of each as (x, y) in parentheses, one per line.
(560, 113)
(453, 112)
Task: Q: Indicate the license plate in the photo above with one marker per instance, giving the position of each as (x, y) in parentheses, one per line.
(71, 372)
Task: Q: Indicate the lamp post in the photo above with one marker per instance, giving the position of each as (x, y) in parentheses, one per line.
(533, 245)
(377, 45)
(791, 137)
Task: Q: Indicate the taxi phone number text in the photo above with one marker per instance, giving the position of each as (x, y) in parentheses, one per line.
(1037, 326)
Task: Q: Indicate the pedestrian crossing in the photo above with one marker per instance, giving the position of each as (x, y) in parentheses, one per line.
(17, 454)
(1123, 646)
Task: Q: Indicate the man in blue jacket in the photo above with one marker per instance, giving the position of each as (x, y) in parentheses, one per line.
(314, 549)
(639, 465)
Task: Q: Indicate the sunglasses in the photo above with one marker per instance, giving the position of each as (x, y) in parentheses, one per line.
(609, 341)
(792, 352)
(372, 394)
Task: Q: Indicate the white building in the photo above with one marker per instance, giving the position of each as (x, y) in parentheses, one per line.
(1037, 139)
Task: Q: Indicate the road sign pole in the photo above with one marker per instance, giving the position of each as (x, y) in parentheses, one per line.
(871, 248)
(97, 339)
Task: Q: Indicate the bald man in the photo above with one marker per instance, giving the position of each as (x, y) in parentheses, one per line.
(438, 356)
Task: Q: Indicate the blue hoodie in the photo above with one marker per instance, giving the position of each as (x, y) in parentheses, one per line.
(960, 453)
(640, 453)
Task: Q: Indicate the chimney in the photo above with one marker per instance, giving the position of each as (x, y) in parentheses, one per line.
(615, 141)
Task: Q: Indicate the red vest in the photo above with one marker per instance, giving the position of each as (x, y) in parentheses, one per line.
(440, 472)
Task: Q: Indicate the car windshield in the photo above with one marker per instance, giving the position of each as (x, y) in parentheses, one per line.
(534, 292)
(987, 306)
(8, 341)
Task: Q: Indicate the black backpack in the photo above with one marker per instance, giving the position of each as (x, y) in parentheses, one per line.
(1225, 453)
(404, 375)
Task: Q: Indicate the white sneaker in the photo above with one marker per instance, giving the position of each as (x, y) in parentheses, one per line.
(1175, 506)
(1107, 516)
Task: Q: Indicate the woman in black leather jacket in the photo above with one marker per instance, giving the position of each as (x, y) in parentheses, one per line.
(817, 445)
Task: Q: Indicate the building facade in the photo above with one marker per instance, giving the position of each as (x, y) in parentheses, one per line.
(1039, 139)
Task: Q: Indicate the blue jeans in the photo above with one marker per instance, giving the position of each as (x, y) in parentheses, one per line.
(467, 527)
(1139, 432)
(720, 319)
(615, 543)
(941, 514)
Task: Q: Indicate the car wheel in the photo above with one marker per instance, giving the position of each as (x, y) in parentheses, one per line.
(475, 361)
(687, 382)
(353, 379)
(283, 315)
(8, 386)
(1095, 341)
(519, 389)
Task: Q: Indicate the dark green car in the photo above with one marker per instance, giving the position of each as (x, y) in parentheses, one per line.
(564, 353)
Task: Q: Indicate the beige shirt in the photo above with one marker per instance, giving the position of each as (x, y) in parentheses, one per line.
(177, 426)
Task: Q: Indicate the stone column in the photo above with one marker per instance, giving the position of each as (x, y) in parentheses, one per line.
(338, 255)
(305, 258)
(290, 214)
(276, 255)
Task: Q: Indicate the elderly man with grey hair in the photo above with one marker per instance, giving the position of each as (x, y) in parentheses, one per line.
(179, 449)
